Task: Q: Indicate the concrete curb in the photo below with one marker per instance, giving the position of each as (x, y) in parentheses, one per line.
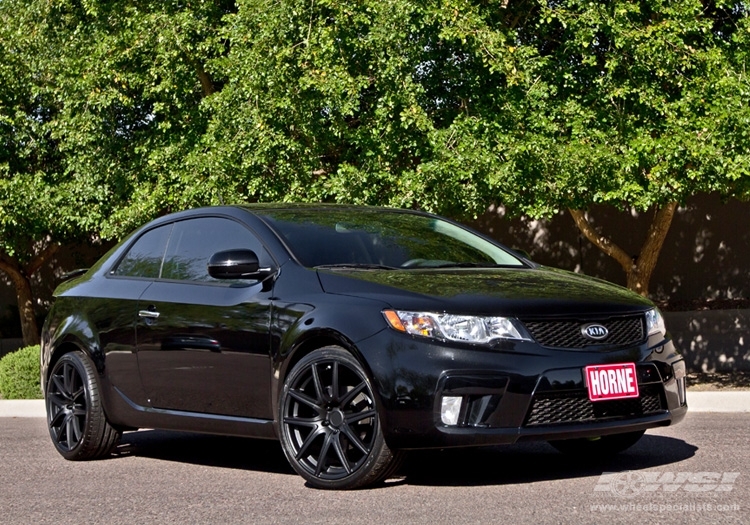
(716, 401)
(22, 408)
(719, 401)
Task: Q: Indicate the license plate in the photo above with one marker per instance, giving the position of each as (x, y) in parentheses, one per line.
(606, 382)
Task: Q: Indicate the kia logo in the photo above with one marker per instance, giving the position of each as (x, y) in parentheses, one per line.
(594, 331)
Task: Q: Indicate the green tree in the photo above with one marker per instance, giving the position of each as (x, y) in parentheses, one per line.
(114, 112)
(634, 104)
(367, 101)
(32, 182)
(453, 105)
(98, 101)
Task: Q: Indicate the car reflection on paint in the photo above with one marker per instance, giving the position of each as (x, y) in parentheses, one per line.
(352, 335)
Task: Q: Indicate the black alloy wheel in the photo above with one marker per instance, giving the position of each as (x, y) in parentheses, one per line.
(76, 419)
(330, 430)
(597, 448)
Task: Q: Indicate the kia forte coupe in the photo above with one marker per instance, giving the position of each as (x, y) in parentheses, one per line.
(352, 335)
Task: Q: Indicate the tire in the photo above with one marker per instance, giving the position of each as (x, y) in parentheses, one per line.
(600, 447)
(75, 416)
(329, 425)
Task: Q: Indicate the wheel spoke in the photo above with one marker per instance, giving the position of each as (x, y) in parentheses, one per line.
(69, 431)
(69, 374)
(56, 400)
(306, 400)
(303, 421)
(78, 393)
(346, 429)
(354, 392)
(308, 441)
(58, 419)
(340, 453)
(317, 383)
(359, 416)
(323, 455)
(335, 382)
(76, 427)
(59, 384)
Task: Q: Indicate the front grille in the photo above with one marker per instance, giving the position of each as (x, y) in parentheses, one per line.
(567, 333)
(574, 407)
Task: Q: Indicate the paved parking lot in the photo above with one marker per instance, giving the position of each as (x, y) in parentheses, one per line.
(699, 467)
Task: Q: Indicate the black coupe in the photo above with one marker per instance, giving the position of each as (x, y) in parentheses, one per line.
(351, 334)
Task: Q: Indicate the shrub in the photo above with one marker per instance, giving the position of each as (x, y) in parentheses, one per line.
(19, 374)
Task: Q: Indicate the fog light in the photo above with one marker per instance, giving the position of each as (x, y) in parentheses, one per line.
(450, 409)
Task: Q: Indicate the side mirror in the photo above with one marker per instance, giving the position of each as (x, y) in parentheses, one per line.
(236, 264)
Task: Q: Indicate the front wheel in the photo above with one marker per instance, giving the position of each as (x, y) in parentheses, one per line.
(75, 416)
(329, 424)
(600, 447)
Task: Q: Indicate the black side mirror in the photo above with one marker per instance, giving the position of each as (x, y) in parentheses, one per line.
(236, 264)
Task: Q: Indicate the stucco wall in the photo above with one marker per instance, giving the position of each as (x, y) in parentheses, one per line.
(712, 340)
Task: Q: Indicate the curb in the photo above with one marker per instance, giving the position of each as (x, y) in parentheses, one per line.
(22, 408)
(717, 401)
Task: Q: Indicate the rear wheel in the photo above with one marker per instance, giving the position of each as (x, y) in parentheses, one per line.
(598, 447)
(330, 429)
(75, 416)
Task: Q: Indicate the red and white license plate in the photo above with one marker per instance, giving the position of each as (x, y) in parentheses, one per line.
(606, 382)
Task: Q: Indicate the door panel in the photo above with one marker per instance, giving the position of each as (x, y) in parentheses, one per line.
(208, 350)
(204, 344)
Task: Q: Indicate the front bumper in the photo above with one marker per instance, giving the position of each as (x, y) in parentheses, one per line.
(514, 391)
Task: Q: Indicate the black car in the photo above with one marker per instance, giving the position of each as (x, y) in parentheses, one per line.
(351, 334)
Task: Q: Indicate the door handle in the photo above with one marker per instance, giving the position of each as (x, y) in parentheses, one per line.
(148, 314)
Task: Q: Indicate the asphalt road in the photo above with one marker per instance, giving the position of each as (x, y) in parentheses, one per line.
(701, 467)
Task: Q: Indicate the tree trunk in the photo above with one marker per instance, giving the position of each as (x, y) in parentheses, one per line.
(637, 269)
(207, 84)
(29, 326)
(25, 300)
(21, 279)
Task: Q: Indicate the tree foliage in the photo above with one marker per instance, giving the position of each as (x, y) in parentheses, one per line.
(113, 112)
(453, 105)
(98, 101)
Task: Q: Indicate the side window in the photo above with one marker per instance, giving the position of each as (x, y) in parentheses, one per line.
(145, 256)
(194, 241)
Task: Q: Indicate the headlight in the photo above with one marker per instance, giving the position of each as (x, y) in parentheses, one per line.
(463, 328)
(655, 322)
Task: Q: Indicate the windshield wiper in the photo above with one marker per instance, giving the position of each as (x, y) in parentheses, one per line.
(471, 265)
(356, 266)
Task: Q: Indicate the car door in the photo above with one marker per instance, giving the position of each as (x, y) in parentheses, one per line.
(114, 310)
(203, 344)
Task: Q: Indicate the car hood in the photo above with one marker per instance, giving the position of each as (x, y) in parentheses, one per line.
(527, 292)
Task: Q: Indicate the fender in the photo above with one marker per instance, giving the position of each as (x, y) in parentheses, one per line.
(306, 328)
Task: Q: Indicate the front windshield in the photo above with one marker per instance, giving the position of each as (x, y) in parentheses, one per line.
(382, 238)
